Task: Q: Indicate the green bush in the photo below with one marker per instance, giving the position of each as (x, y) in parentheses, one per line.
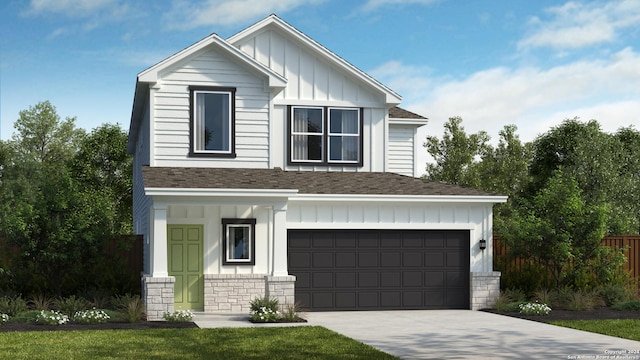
(615, 293)
(12, 305)
(584, 300)
(544, 296)
(178, 316)
(51, 317)
(91, 317)
(131, 307)
(28, 316)
(291, 312)
(627, 305)
(71, 305)
(534, 309)
(265, 309)
(41, 302)
(515, 294)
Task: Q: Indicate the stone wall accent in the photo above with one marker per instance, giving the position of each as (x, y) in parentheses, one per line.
(232, 293)
(281, 288)
(158, 296)
(484, 289)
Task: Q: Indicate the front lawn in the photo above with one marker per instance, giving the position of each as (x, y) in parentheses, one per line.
(622, 328)
(304, 342)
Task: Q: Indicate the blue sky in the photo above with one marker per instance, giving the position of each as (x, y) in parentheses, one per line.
(492, 62)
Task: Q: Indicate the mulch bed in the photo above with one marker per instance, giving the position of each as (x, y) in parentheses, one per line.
(143, 325)
(596, 314)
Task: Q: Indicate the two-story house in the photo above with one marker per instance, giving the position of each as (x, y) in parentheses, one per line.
(265, 164)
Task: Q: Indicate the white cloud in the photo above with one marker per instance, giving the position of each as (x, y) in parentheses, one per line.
(375, 4)
(187, 15)
(74, 8)
(534, 99)
(577, 24)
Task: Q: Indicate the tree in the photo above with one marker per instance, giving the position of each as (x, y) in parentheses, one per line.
(597, 162)
(455, 154)
(103, 165)
(57, 223)
(42, 137)
(560, 231)
(627, 198)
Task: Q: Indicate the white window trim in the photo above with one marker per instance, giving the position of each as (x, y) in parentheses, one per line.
(249, 224)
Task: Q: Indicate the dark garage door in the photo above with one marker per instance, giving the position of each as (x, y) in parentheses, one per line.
(380, 269)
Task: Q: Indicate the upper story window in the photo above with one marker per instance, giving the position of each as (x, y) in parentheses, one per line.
(212, 121)
(325, 136)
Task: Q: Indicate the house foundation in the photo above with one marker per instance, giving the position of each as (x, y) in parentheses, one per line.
(233, 293)
(484, 289)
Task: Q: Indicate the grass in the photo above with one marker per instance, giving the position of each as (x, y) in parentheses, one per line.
(304, 342)
(622, 328)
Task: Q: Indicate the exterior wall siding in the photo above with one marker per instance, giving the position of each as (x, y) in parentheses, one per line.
(171, 112)
(141, 202)
(401, 149)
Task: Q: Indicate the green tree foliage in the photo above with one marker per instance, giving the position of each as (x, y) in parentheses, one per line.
(103, 165)
(455, 154)
(54, 211)
(563, 233)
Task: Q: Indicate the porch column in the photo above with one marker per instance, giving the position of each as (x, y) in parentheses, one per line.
(280, 240)
(159, 241)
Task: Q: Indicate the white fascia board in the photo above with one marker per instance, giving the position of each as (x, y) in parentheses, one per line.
(412, 122)
(220, 193)
(150, 75)
(399, 198)
(382, 226)
(391, 97)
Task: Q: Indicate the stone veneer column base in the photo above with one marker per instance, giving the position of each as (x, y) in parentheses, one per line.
(484, 289)
(158, 296)
(232, 293)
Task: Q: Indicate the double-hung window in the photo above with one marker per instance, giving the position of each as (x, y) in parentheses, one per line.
(325, 136)
(238, 243)
(212, 121)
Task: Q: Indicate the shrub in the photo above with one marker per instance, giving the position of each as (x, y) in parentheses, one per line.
(41, 302)
(627, 305)
(26, 316)
(509, 299)
(131, 307)
(516, 295)
(264, 310)
(99, 299)
(544, 296)
(584, 300)
(12, 305)
(178, 316)
(51, 317)
(614, 293)
(291, 312)
(91, 317)
(534, 309)
(3, 318)
(71, 305)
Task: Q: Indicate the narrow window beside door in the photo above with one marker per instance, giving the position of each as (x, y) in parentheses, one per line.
(238, 243)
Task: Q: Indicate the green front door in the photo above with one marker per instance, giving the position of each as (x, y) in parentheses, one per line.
(185, 263)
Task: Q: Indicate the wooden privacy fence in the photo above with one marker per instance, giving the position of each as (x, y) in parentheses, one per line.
(630, 242)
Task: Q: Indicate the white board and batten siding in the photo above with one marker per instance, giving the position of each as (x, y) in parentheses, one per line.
(171, 112)
(312, 81)
(398, 216)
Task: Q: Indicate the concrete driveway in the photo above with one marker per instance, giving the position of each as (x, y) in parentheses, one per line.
(465, 334)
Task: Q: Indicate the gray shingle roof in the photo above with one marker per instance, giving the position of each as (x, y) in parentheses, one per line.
(400, 113)
(306, 182)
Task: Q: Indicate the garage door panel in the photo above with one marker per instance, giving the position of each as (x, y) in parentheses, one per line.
(346, 300)
(322, 260)
(412, 259)
(368, 259)
(434, 259)
(322, 280)
(347, 259)
(300, 260)
(390, 279)
(346, 280)
(390, 259)
(380, 269)
(434, 278)
(391, 299)
(368, 279)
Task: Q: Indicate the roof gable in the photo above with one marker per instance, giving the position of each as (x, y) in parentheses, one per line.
(282, 27)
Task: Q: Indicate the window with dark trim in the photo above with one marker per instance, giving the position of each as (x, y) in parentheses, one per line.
(212, 121)
(238, 241)
(324, 136)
